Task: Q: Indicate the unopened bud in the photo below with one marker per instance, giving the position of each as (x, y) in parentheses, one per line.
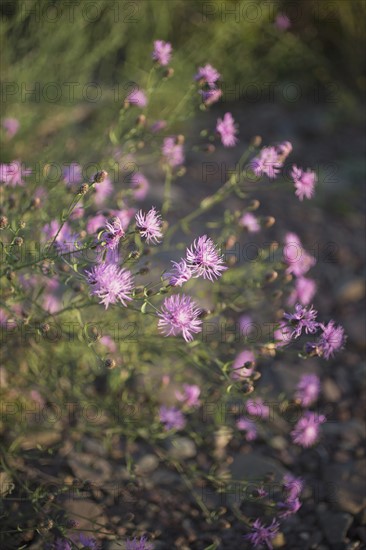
(144, 271)
(83, 189)
(141, 120)
(180, 139)
(169, 73)
(36, 202)
(269, 221)
(209, 148)
(22, 224)
(3, 222)
(256, 141)
(247, 388)
(100, 176)
(45, 327)
(10, 275)
(254, 204)
(271, 276)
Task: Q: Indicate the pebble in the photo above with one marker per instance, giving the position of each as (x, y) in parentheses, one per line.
(181, 448)
(335, 526)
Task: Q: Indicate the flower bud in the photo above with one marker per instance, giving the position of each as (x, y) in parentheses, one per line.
(100, 176)
(3, 222)
(271, 276)
(254, 204)
(268, 221)
(110, 364)
(169, 73)
(141, 120)
(36, 202)
(22, 224)
(83, 189)
(256, 141)
(18, 241)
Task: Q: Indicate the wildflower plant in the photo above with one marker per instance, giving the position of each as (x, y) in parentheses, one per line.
(99, 283)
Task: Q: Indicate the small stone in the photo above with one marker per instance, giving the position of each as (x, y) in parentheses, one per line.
(148, 463)
(181, 447)
(335, 526)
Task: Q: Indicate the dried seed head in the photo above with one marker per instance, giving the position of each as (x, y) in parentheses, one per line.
(100, 176)
(110, 364)
(3, 222)
(18, 241)
(22, 224)
(83, 189)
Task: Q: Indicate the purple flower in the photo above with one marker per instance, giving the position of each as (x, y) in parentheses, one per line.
(173, 152)
(66, 240)
(302, 319)
(227, 130)
(204, 259)
(303, 292)
(267, 162)
(209, 97)
(88, 542)
(284, 149)
(262, 534)
(306, 431)
(282, 22)
(149, 225)
(103, 191)
(73, 174)
(257, 408)
(114, 232)
(11, 125)
(308, 389)
(137, 98)
(96, 223)
(248, 426)
(140, 186)
(292, 485)
(304, 182)
(179, 315)
(288, 507)
(239, 368)
(172, 418)
(135, 544)
(332, 339)
(295, 256)
(207, 75)
(181, 273)
(190, 395)
(157, 126)
(249, 222)
(282, 335)
(12, 174)
(61, 544)
(162, 52)
(110, 283)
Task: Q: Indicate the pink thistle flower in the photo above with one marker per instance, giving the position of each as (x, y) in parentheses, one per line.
(295, 256)
(257, 408)
(209, 97)
(292, 485)
(73, 174)
(162, 52)
(12, 174)
(262, 534)
(227, 130)
(140, 186)
(172, 418)
(207, 75)
(96, 223)
(149, 225)
(289, 507)
(173, 152)
(282, 22)
(284, 149)
(267, 162)
(137, 98)
(114, 232)
(243, 365)
(303, 292)
(190, 395)
(307, 390)
(304, 182)
(204, 259)
(111, 284)
(180, 315)
(181, 273)
(248, 426)
(250, 222)
(302, 319)
(306, 431)
(331, 340)
(11, 126)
